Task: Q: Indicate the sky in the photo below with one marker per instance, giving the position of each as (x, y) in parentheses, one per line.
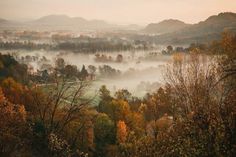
(117, 11)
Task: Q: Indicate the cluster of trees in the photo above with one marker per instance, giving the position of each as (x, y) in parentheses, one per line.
(105, 58)
(26, 45)
(80, 44)
(25, 35)
(48, 120)
(170, 50)
(62, 70)
(214, 47)
(108, 71)
(70, 71)
(93, 47)
(9, 67)
(31, 35)
(29, 58)
(193, 114)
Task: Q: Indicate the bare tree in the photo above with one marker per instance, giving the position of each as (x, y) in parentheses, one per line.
(191, 78)
(63, 103)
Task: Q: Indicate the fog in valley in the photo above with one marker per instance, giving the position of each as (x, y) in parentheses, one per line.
(139, 72)
(117, 78)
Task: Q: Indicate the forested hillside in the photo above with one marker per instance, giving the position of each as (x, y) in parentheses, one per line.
(193, 114)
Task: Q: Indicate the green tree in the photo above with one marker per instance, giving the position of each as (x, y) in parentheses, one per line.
(104, 130)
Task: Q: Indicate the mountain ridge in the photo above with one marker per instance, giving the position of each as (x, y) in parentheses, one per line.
(59, 22)
(209, 29)
(164, 31)
(165, 26)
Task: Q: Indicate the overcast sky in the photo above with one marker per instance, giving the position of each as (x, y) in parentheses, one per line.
(118, 11)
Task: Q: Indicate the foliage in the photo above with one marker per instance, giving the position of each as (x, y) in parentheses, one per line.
(9, 67)
(13, 125)
(121, 132)
(192, 114)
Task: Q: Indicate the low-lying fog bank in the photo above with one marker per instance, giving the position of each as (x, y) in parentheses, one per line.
(138, 71)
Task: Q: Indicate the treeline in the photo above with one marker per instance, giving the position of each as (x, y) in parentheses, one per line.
(90, 46)
(24, 45)
(193, 114)
(72, 46)
(93, 47)
(214, 47)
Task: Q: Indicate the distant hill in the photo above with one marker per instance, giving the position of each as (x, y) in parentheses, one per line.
(165, 26)
(52, 20)
(58, 22)
(7, 24)
(208, 30)
(3, 21)
(64, 22)
(168, 31)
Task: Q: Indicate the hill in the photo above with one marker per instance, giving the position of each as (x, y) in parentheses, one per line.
(3, 20)
(165, 26)
(69, 23)
(58, 22)
(204, 31)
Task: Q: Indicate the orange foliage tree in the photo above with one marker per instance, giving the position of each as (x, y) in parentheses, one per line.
(121, 132)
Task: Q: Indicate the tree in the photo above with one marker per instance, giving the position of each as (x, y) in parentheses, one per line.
(106, 99)
(13, 90)
(83, 73)
(121, 132)
(13, 121)
(119, 110)
(123, 94)
(200, 110)
(92, 69)
(18, 93)
(11, 68)
(107, 71)
(228, 48)
(60, 106)
(60, 63)
(70, 71)
(157, 104)
(169, 49)
(160, 125)
(61, 101)
(119, 58)
(104, 129)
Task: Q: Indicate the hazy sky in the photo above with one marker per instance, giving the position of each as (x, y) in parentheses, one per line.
(118, 11)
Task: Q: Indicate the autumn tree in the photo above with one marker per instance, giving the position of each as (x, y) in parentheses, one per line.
(9, 67)
(123, 94)
(157, 104)
(199, 104)
(13, 126)
(122, 132)
(63, 105)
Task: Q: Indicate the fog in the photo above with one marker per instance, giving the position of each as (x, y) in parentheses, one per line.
(139, 72)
